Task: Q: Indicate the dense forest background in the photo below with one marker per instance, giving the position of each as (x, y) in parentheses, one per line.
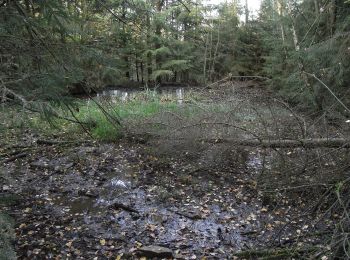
(230, 137)
(49, 47)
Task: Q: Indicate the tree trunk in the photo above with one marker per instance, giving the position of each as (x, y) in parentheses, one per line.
(295, 36)
(125, 41)
(142, 80)
(215, 54)
(205, 60)
(281, 13)
(137, 68)
(333, 18)
(317, 8)
(149, 56)
(246, 12)
(158, 32)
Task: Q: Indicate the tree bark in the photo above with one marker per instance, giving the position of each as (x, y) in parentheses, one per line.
(294, 31)
(333, 16)
(246, 12)
(283, 35)
(317, 8)
(205, 60)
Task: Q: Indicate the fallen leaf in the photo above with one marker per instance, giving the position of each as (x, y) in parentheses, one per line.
(22, 225)
(27, 210)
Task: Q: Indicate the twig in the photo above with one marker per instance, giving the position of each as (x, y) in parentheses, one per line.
(284, 143)
(297, 187)
(188, 9)
(217, 123)
(299, 119)
(118, 205)
(15, 157)
(53, 142)
(230, 77)
(323, 84)
(79, 122)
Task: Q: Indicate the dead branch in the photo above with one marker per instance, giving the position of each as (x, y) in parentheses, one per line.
(15, 157)
(299, 119)
(217, 123)
(231, 77)
(305, 143)
(122, 206)
(186, 7)
(55, 142)
(330, 91)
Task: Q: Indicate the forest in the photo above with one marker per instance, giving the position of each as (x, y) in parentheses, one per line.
(174, 129)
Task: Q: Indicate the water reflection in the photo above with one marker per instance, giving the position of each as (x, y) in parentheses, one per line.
(115, 95)
(180, 95)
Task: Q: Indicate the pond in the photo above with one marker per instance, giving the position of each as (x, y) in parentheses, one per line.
(124, 94)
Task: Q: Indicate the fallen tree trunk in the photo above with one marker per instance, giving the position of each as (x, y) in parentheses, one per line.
(305, 143)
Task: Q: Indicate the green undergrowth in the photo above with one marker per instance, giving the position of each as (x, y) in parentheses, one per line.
(146, 111)
(100, 119)
(103, 123)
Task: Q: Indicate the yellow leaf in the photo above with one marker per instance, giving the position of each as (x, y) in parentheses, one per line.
(27, 210)
(102, 242)
(22, 225)
(69, 244)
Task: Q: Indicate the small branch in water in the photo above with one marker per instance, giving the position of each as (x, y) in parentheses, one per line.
(118, 205)
(15, 157)
(188, 215)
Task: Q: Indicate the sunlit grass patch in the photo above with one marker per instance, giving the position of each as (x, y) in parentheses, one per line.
(103, 122)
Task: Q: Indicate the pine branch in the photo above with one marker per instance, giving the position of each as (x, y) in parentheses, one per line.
(323, 84)
(188, 9)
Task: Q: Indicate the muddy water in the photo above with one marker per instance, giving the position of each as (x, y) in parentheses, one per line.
(218, 221)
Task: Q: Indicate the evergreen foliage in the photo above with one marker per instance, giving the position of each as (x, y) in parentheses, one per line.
(299, 39)
(49, 48)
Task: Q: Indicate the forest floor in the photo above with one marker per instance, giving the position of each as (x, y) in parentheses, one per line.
(92, 200)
